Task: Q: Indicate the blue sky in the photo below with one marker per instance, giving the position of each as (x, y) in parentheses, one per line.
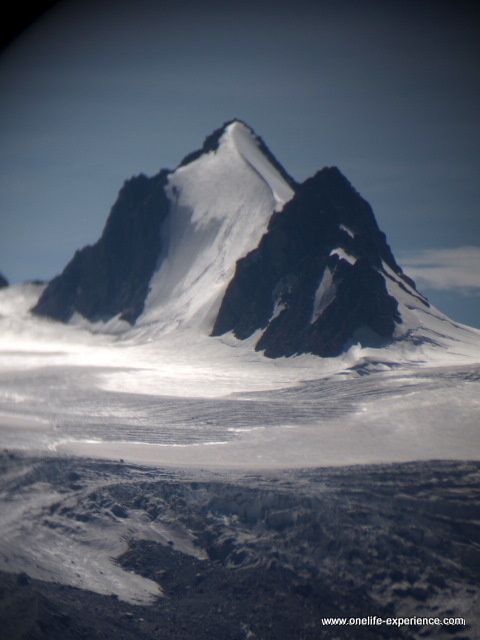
(388, 91)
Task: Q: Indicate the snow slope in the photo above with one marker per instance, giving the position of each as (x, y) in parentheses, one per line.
(221, 205)
(424, 324)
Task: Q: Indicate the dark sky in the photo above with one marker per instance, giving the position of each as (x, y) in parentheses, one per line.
(97, 91)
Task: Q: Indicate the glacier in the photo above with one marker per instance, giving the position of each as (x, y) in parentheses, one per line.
(185, 398)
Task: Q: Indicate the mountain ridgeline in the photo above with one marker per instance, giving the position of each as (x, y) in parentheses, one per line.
(229, 242)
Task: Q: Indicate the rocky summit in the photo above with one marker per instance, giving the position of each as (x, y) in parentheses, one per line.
(316, 283)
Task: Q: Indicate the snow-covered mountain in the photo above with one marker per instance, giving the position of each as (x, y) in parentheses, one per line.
(228, 242)
(154, 363)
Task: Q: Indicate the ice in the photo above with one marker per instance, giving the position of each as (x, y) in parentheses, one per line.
(384, 417)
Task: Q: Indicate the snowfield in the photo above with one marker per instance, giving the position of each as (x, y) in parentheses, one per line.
(184, 398)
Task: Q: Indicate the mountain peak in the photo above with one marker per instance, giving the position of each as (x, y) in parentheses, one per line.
(236, 125)
(238, 133)
(235, 122)
(212, 141)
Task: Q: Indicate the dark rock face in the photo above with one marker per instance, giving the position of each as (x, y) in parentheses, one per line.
(3, 282)
(306, 297)
(112, 276)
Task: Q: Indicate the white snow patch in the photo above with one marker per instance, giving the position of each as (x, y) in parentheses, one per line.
(277, 309)
(324, 295)
(343, 255)
(347, 230)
